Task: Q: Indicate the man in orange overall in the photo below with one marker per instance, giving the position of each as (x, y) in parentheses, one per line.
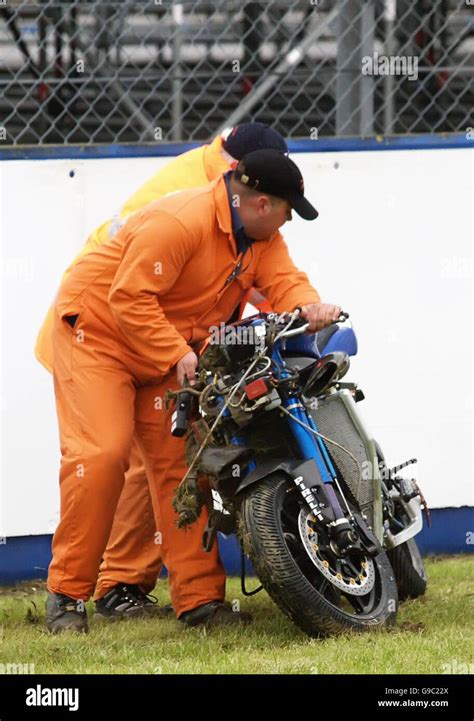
(132, 561)
(126, 320)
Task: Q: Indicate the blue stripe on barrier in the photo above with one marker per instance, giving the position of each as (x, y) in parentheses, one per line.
(379, 142)
(155, 150)
(88, 152)
(27, 557)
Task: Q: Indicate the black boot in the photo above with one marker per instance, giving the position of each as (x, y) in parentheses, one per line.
(214, 613)
(125, 600)
(65, 614)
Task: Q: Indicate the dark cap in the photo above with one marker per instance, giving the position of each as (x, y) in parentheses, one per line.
(268, 171)
(247, 137)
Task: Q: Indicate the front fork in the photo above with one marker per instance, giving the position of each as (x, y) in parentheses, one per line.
(313, 448)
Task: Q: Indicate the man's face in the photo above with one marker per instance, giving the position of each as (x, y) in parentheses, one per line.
(263, 215)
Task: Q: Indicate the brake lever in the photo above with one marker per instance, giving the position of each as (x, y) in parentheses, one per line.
(294, 317)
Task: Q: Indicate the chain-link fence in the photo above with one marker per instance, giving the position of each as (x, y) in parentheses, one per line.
(121, 71)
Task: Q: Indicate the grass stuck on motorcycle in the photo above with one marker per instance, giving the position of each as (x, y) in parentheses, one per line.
(278, 452)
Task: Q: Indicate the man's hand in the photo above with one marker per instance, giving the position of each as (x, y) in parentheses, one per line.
(320, 315)
(186, 366)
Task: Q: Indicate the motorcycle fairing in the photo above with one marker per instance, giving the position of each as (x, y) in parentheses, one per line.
(330, 339)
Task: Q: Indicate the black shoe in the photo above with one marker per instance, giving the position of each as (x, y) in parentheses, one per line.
(125, 600)
(214, 613)
(65, 614)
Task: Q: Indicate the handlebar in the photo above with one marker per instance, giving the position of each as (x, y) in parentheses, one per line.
(303, 326)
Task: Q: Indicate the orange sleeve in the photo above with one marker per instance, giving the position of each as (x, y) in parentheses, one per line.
(278, 278)
(156, 249)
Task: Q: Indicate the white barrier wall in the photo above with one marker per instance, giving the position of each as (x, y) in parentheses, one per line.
(392, 246)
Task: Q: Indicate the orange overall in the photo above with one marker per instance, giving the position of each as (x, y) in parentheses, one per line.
(133, 554)
(143, 299)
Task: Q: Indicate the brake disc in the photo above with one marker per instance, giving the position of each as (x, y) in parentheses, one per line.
(356, 584)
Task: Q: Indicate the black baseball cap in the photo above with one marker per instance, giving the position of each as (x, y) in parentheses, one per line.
(247, 137)
(268, 171)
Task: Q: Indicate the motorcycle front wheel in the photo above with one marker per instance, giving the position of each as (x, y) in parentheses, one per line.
(320, 592)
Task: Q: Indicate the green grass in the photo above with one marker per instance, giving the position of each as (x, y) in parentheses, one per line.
(431, 632)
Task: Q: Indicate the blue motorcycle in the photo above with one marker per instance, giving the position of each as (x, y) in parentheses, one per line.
(278, 452)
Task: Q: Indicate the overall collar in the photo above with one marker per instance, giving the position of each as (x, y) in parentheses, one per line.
(228, 216)
(223, 214)
(243, 241)
(214, 162)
